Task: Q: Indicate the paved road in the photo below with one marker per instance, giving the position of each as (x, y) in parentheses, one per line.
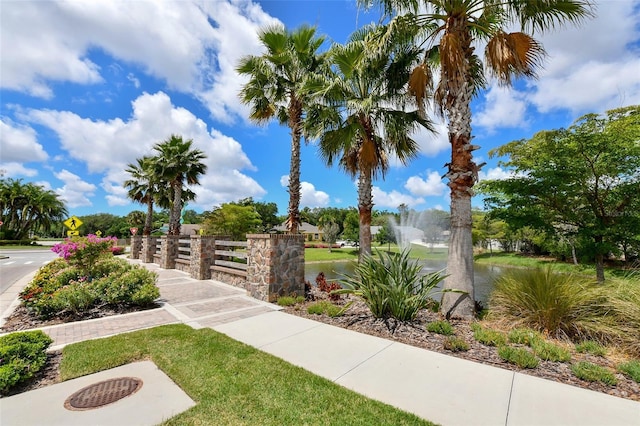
(15, 264)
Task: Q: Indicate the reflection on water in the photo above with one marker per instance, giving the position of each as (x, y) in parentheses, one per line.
(484, 274)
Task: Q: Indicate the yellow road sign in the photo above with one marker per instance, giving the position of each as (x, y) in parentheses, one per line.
(73, 223)
(73, 233)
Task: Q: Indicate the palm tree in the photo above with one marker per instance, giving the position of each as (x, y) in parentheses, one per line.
(274, 90)
(359, 115)
(449, 28)
(143, 187)
(177, 164)
(26, 208)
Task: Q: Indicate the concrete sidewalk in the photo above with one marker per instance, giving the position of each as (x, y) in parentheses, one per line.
(437, 387)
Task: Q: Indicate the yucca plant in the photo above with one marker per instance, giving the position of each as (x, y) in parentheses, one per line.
(392, 285)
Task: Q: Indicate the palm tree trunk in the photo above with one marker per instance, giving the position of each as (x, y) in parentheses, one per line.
(462, 176)
(176, 207)
(365, 206)
(148, 220)
(295, 114)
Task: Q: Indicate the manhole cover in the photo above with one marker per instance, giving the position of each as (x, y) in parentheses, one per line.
(103, 393)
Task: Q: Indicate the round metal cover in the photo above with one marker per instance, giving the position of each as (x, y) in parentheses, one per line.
(103, 393)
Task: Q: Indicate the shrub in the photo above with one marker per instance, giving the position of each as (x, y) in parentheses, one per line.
(22, 355)
(523, 336)
(328, 308)
(591, 347)
(117, 250)
(631, 369)
(327, 287)
(518, 356)
(440, 327)
(488, 337)
(455, 344)
(289, 300)
(550, 352)
(59, 287)
(542, 300)
(568, 306)
(392, 286)
(84, 252)
(593, 373)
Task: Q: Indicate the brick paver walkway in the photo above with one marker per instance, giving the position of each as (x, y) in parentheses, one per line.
(198, 303)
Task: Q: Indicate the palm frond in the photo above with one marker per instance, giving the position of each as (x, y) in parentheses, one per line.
(513, 55)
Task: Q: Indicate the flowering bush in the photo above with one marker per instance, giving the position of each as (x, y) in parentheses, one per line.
(84, 252)
(61, 288)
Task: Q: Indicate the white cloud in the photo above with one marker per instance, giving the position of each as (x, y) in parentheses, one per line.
(432, 185)
(394, 198)
(193, 46)
(503, 107)
(16, 169)
(75, 192)
(496, 173)
(309, 195)
(431, 144)
(19, 143)
(594, 67)
(108, 146)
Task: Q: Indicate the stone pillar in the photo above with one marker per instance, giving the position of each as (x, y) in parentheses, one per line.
(203, 249)
(275, 265)
(169, 251)
(148, 249)
(136, 247)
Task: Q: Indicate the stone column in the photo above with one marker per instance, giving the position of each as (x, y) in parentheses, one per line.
(169, 251)
(148, 249)
(202, 254)
(136, 247)
(275, 265)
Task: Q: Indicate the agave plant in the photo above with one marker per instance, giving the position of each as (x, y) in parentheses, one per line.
(392, 285)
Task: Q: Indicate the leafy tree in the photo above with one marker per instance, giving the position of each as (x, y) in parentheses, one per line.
(27, 208)
(331, 231)
(105, 223)
(232, 219)
(136, 218)
(360, 115)
(274, 90)
(449, 29)
(351, 226)
(386, 235)
(582, 181)
(177, 164)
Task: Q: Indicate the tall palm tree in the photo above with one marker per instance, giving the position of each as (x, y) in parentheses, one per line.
(143, 187)
(449, 28)
(26, 208)
(360, 115)
(177, 164)
(274, 90)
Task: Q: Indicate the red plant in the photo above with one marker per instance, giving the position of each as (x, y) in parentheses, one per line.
(327, 287)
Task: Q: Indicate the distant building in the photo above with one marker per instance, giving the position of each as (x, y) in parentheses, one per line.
(310, 232)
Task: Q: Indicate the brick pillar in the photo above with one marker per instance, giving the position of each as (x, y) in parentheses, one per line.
(169, 251)
(275, 265)
(136, 247)
(202, 255)
(148, 249)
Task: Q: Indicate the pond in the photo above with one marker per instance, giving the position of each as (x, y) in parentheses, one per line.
(484, 274)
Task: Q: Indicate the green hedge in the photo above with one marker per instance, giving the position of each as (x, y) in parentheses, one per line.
(22, 355)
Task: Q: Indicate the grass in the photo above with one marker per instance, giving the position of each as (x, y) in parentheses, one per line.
(523, 336)
(631, 369)
(351, 253)
(488, 337)
(593, 373)
(440, 327)
(550, 352)
(591, 347)
(232, 383)
(518, 356)
(455, 344)
(326, 307)
(290, 300)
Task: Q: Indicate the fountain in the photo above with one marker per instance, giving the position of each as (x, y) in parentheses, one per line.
(417, 228)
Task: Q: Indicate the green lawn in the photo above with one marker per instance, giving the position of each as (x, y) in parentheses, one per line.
(351, 253)
(232, 383)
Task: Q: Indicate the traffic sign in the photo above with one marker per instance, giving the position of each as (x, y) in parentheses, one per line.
(73, 223)
(98, 233)
(73, 233)
(134, 231)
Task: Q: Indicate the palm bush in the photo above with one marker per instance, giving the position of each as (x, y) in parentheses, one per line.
(392, 285)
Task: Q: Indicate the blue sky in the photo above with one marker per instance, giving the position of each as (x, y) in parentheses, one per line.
(89, 86)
